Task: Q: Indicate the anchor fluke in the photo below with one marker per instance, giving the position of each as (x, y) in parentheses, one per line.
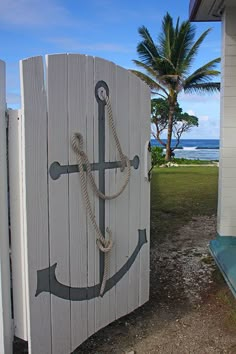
(47, 281)
(43, 279)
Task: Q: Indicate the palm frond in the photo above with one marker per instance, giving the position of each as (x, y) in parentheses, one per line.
(166, 37)
(194, 49)
(149, 69)
(201, 77)
(183, 43)
(177, 27)
(169, 66)
(204, 73)
(211, 65)
(207, 87)
(149, 81)
(146, 49)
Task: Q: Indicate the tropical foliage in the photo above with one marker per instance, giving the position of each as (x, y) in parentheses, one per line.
(165, 65)
(182, 121)
(157, 156)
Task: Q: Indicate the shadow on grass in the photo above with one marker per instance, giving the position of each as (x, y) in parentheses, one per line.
(179, 194)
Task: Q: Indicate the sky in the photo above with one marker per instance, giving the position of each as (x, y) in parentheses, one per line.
(102, 28)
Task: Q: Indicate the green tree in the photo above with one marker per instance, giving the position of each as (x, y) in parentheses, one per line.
(166, 65)
(182, 122)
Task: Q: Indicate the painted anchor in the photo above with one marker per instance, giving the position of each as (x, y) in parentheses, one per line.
(46, 278)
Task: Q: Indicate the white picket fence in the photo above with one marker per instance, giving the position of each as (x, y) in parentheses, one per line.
(56, 265)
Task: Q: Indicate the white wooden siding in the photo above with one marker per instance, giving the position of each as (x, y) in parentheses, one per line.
(227, 171)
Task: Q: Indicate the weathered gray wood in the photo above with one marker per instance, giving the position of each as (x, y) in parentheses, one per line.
(35, 204)
(135, 188)
(58, 150)
(77, 122)
(111, 155)
(102, 71)
(18, 232)
(121, 247)
(145, 109)
(5, 299)
(91, 148)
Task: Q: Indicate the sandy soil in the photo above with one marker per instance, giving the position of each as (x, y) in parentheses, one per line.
(191, 310)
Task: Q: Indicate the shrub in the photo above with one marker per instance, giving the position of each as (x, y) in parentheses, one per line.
(158, 158)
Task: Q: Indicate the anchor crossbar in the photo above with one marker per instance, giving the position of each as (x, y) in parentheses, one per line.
(56, 169)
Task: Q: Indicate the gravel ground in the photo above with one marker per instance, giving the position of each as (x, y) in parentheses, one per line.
(191, 310)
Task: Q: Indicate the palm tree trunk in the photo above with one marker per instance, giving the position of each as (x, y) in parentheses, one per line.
(170, 128)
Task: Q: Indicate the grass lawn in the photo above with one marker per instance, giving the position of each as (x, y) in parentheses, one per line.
(180, 193)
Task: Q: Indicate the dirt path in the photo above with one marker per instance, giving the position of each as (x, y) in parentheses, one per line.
(190, 311)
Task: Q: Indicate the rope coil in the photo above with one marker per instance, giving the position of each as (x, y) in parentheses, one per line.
(104, 244)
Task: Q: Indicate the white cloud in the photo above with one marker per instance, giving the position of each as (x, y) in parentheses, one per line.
(209, 128)
(201, 118)
(35, 13)
(191, 112)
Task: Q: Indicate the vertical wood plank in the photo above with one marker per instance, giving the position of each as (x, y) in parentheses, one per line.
(97, 310)
(77, 91)
(18, 234)
(102, 71)
(135, 185)
(122, 202)
(111, 155)
(58, 150)
(145, 114)
(35, 190)
(90, 147)
(5, 297)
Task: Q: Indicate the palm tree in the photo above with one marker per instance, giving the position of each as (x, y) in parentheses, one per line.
(166, 65)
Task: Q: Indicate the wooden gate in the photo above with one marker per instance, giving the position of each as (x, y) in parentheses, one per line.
(57, 266)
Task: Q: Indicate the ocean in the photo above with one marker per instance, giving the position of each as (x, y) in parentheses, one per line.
(195, 149)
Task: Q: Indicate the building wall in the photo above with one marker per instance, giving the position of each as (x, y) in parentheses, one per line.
(226, 225)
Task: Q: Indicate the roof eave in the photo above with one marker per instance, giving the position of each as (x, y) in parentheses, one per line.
(193, 9)
(206, 10)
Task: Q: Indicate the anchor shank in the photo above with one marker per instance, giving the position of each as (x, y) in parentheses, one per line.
(101, 161)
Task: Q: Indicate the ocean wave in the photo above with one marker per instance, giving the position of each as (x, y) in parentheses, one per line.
(208, 148)
(197, 144)
(190, 148)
